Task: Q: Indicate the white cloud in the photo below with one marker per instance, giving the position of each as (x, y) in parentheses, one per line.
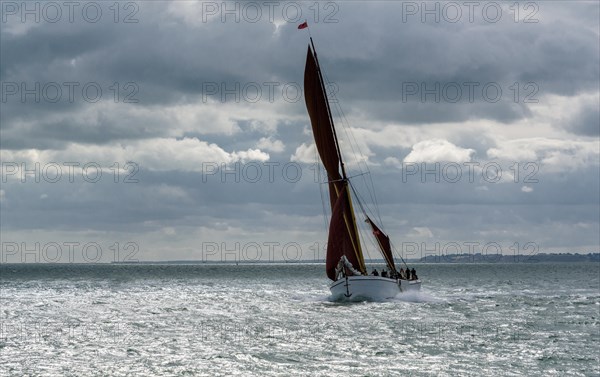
(526, 189)
(206, 118)
(305, 153)
(162, 154)
(383, 135)
(563, 112)
(392, 161)
(438, 150)
(554, 155)
(270, 144)
(249, 155)
(420, 232)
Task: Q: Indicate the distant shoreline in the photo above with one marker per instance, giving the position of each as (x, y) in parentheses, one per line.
(450, 258)
(430, 259)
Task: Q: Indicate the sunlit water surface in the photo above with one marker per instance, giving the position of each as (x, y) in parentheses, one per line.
(535, 319)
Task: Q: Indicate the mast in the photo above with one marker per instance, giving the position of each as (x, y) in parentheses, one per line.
(341, 202)
(344, 239)
(335, 138)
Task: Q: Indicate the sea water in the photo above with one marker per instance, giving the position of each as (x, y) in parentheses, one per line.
(526, 319)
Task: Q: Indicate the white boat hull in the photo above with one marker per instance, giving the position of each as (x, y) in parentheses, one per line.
(357, 288)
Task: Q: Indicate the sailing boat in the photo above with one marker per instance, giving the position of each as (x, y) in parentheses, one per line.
(345, 263)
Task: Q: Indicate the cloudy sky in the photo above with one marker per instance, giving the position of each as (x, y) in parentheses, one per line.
(177, 130)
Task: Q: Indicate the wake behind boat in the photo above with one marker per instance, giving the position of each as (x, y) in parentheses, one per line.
(345, 263)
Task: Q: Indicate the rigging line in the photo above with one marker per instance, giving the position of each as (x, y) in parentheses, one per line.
(395, 252)
(339, 110)
(360, 200)
(373, 195)
(345, 179)
(321, 189)
(360, 229)
(358, 175)
(352, 138)
(362, 236)
(346, 126)
(393, 248)
(377, 246)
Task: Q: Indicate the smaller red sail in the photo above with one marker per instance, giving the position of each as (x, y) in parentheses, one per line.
(384, 244)
(303, 25)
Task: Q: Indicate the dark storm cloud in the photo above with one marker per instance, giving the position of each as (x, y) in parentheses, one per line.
(371, 54)
(182, 62)
(172, 61)
(551, 56)
(98, 129)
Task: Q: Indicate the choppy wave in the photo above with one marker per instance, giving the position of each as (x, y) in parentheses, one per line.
(533, 320)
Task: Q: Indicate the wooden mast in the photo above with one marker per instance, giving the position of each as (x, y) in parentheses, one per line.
(357, 247)
(335, 138)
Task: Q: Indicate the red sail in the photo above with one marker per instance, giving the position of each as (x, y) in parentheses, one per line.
(341, 235)
(384, 244)
(316, 104)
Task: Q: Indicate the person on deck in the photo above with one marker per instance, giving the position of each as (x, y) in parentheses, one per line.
(414, 274)
(375, 273)
(407, 272)
(402, 276)
(384, 274)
